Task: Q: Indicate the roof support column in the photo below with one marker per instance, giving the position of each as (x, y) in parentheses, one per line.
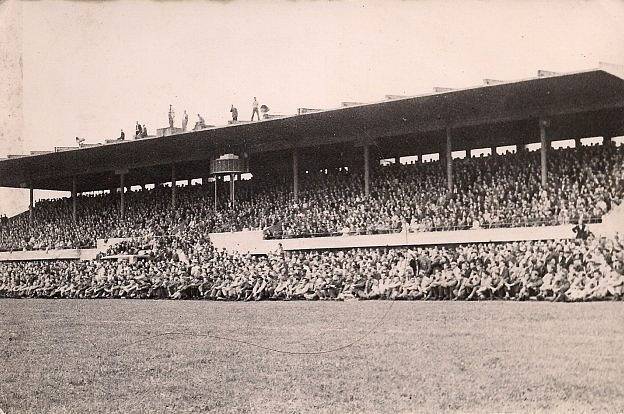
(366, 169)
(449, 160)
(74, 196)
(31, 212)
(122, 195)
(173, 187)
(216, 182)
(295, 167)
(544, 150)
(232, 196)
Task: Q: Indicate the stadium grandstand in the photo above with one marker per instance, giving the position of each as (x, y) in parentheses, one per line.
(367, 201)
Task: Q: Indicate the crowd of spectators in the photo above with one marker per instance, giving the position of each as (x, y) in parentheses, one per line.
(147, 213)
(491, 192)
(189, 267)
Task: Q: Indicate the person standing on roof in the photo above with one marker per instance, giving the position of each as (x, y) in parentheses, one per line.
(234, 112)
(254, 109)
(122, 136)
(171, 116)
(184, 121)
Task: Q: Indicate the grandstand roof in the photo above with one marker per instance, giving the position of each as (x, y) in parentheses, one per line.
(579, 104)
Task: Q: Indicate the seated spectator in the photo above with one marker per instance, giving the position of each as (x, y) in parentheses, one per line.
(200, 124)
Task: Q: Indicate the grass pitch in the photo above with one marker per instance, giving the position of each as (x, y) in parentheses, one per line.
(74, 356)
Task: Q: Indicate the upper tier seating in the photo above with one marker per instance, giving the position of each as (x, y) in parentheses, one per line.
(492, 192)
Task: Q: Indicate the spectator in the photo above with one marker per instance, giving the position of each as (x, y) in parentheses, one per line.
(171, 116)
(254, 109)
(581, 230)
(234, 112)
(184, 121)
(200, 124)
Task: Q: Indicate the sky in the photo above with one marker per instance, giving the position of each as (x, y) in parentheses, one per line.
(89, 69)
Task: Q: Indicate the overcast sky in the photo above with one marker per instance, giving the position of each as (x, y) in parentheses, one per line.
(91, 68)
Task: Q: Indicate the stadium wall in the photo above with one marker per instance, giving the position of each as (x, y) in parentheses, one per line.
(252, 241)
(612, 223)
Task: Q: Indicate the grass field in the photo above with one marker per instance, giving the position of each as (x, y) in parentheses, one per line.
(73, 356)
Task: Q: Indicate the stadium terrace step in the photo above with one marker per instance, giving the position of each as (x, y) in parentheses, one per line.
(40, 152)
